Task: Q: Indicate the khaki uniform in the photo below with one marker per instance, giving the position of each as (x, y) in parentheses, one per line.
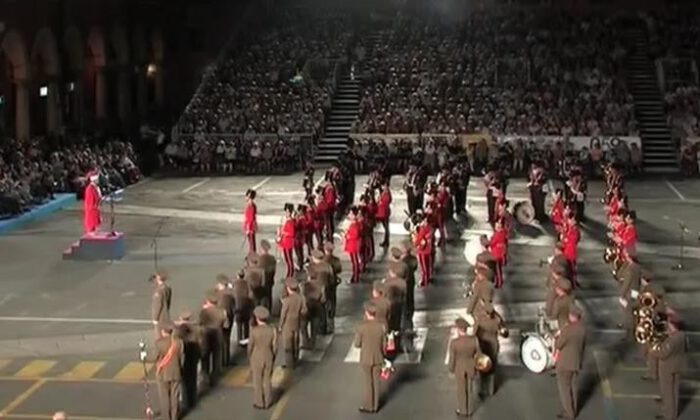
(169, 363)
(190, 335)
(570, 344)
(160, 307)
(487, 332)
(560, 309)
(383, 308)
(291, 317)
(672, 361)
(312, 323)
(212, 321)
(396, 293)
(243, 308)
(482, 290)
(322, 274)
(332, 296)
(255, 277)
(262, 350)
(630, 279)
(486, 259)
(268, 264)
(462, 363)
(370, 338)
(227, 303)
(411, 265)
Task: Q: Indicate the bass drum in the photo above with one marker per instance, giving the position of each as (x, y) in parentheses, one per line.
(536, 354)
(472, 249)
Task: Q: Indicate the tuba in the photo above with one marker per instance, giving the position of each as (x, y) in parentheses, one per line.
(649, 327)
(483, 363)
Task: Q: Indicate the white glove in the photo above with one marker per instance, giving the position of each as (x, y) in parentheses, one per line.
(623, 302)
(470, 319)
(634, 294)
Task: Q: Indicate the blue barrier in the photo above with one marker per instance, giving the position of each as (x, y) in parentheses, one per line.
(59, 202)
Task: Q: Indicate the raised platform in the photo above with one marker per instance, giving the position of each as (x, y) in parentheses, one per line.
(102, 246)
(37, 213)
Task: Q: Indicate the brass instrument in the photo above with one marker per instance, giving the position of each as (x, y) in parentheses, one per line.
(483, 363)
(649, 328)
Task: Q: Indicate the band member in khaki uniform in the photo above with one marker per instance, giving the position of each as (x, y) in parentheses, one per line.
(562, 303)
(268, 263)
(481, 291)
(331, 297)
(630, 279)
(557, 273)
(370, 338)
(314, 297)
(485, 258)
(190, 334)
(226, 302)
(243, 308)
(412, 265)
(212, 321)
(396, 288)
(321, 273)
(672, 361)
(569, 347)
(262, 350)
(255, 277)
(291, 316)
(160, 304)
(652, 358)
(463, 351)
(169, 362)
(488, 327)
(382, 305)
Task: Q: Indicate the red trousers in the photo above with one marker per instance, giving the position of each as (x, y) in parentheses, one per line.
(425, 261)
(289, 261)
(367, 250)
(356, 263)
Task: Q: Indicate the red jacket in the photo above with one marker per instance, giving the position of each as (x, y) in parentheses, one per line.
(573, 236)
(250, 222)
(629, 237)
(91, 207)
(309, 221)
(384, 206)
(499, 244)
(614, 207)
(353, 236)
(424, 239)
(287, 234)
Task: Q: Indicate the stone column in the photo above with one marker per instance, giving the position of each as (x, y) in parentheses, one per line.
(100, 94)
(53, 108)
(142, 92)
(22, 111)
(159, 87)
(124, 94)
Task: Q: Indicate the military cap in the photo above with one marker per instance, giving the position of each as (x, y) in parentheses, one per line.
(264, 244)
(292, 283)
(484, 240)
(212, 296)
(564, 284)
(253, 258)
(488, 307)
(575, 311)
(559, 268)
(370, 308)
(222, 279)
(379, 286)
(395, 252)
(328, 246)
(461, 324)
(261, 313)
(167, 328)
(317, 254)
(185, 315)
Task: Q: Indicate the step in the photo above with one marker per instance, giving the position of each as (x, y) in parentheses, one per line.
(658, 154)
(331, 148)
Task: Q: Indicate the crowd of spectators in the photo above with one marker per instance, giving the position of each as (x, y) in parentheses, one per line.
(32, 172)
(520, 73)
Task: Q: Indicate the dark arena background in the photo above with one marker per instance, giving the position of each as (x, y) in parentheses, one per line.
(521, 175)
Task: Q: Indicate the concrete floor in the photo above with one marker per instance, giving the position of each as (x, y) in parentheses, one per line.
(69, 330)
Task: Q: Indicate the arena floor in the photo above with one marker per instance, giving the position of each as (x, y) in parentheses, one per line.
(70, 330)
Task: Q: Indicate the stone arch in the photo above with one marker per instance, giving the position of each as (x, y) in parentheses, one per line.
(97, 48)
(122, 84)
(141, 59)
(158, 53)
(16, 50)
(139, 46)
(96, 60)
(120, 44)
(157, 45)
(75, 51)
(46, 48)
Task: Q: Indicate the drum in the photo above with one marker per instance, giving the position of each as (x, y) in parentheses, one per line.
(524, 212)
(536, 353)
(472, 249)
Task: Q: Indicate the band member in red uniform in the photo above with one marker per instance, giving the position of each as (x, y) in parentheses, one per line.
(424, 243)
(310, 223)
(442, 199)
(498, 245)
(320, 221)
(353, 238)
(250, 222)
(628, 239)
(384, 212)
(330, 197)
(91, 204)
(571, 240)
(300, 234)
(557, 212)
(504, 216)
(616, 203)
(286, 236)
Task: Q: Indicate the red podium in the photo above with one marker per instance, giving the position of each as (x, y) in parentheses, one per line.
(99, 246)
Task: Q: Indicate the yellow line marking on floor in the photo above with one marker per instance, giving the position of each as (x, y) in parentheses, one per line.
(35, 368)
(237, 377)
(84, 370)
(279, 377)
(72, 417)
(133, 371)
(652, 396)
(285, 384)
(22, 397)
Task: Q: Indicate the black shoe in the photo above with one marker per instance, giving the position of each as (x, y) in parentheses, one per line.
(657, 398)
(659, 416)
(648, 378)
(258, 407)
(364, 410)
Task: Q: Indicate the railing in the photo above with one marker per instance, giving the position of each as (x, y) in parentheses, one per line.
(421, 139)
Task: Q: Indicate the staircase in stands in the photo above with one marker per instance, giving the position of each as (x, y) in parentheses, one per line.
(346, 104)
(658, 148)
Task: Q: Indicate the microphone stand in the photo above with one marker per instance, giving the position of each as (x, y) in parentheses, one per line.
(111, 215)
(680, 266)
(154, 243)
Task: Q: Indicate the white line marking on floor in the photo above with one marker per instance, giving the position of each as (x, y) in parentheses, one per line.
(261, 183)
(198, 184)
(76, 320)
(7, 298)
(674, 189)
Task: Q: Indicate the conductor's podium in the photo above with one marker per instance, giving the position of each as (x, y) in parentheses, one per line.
(100, 246)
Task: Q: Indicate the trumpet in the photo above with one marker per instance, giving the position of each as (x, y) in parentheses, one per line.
(483, 363)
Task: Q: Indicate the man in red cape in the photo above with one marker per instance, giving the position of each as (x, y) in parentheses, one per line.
(91, 204)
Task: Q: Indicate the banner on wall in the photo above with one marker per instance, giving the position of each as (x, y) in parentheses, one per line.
(576, 142)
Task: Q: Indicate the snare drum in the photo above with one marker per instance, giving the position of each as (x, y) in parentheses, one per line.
(536, 353)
